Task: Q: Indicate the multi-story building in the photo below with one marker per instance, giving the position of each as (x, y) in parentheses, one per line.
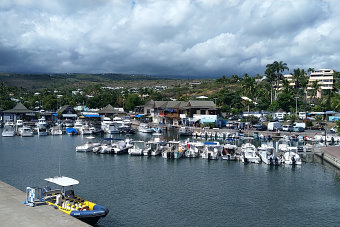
(324, 78)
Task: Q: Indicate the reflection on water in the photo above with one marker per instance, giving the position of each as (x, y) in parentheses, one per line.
(152, 191)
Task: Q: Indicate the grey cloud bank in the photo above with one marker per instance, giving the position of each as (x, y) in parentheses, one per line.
(183, 37)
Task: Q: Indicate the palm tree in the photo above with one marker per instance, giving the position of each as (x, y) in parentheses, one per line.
(315, 88)
(270, 74)
(279, 68)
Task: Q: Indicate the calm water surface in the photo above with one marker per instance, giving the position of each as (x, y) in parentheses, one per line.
(152, 191)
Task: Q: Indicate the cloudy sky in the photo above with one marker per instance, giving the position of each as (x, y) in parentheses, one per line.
(168, 37)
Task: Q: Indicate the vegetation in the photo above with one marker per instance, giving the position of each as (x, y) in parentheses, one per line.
(262, 92)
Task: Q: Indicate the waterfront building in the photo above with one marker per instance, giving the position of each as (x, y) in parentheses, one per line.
(18, 112)
(68, 112)
(110, 111)
(181, 112)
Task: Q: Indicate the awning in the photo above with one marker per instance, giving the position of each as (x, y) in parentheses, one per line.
(139, 115)
(208, 120)
(70, 115)
(62, 181)
(91, 115)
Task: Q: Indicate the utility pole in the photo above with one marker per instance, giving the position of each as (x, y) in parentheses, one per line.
(296, 109)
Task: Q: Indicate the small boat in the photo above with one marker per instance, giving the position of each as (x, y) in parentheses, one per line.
(212, 150)
(88, 146)
(65, 200)
(169, 150)
(71, 131)
(138, 148)
(56, 131)
(184, 131)
(248, 154)
(194, 149)
(229, 152)
(8, 131)
(267, 155)
(144, 127)
(42, 131)
(26, 131)
(292, 158)
(120, 147)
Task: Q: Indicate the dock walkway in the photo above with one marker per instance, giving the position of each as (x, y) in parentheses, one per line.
(331, 154)
(14, 213)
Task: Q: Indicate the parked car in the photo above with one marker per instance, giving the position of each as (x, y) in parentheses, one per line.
(333, 130)
(273, 126)
(298, 129)
(260, 127)
(287, 128)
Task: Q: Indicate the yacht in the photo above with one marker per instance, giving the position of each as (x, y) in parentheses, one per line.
(248, 154)
(41, 122)
(229, 152)
(268, 155)
(212, 150)
(85, 130)
(144, 127)
(26, 131)
(108, 126)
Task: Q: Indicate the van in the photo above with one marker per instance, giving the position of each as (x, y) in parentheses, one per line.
(287, 128)
(273, 126)
(300, 124)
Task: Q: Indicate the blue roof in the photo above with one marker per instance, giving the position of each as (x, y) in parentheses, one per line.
(139, 115)
(91, 115)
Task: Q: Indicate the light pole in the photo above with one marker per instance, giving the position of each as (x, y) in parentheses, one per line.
(296, 98)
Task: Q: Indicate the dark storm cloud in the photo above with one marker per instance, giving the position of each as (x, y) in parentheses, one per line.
(183, 37)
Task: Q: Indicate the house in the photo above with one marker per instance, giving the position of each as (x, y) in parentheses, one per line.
(110, 111)
(18, 112)
(181, 112)
(67, 112)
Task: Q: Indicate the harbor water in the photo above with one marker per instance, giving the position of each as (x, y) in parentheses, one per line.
(152, 191)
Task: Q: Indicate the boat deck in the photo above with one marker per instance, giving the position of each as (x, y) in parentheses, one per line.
(14, 213)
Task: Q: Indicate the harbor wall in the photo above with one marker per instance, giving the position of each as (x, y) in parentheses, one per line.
(331, 154)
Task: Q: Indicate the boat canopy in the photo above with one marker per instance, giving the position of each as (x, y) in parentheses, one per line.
(62, 181)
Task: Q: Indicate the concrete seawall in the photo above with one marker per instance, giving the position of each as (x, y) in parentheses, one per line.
(331, 154)
(14, 213)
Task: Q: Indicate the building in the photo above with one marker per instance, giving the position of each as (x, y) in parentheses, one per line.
(324, 78)
(18, 112)
(181, 112)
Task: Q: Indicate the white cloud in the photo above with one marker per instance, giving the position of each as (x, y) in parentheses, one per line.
(182, 37)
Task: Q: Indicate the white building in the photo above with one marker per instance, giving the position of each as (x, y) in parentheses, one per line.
(324, 78)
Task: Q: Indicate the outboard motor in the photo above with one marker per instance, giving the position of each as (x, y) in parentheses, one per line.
(276, 161)
(293, 160)
(271, 161)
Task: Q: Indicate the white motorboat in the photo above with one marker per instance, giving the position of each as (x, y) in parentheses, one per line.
(144, 127)
(42, 131)
(212, 150)
(268, 155)
(138, 148)
(169, 149)
(8, 131)
(184, 131)
(56, 131)
(119, 147)
(229, 152)
(194, 149)
(292, 158)
(248, 154)
(87, 147)
(26, 131)
(102, 149)
(78, 124)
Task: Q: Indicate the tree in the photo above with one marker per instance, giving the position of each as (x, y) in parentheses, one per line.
(270, 75)
(314, 89)
(132, 101)
(278, 67)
